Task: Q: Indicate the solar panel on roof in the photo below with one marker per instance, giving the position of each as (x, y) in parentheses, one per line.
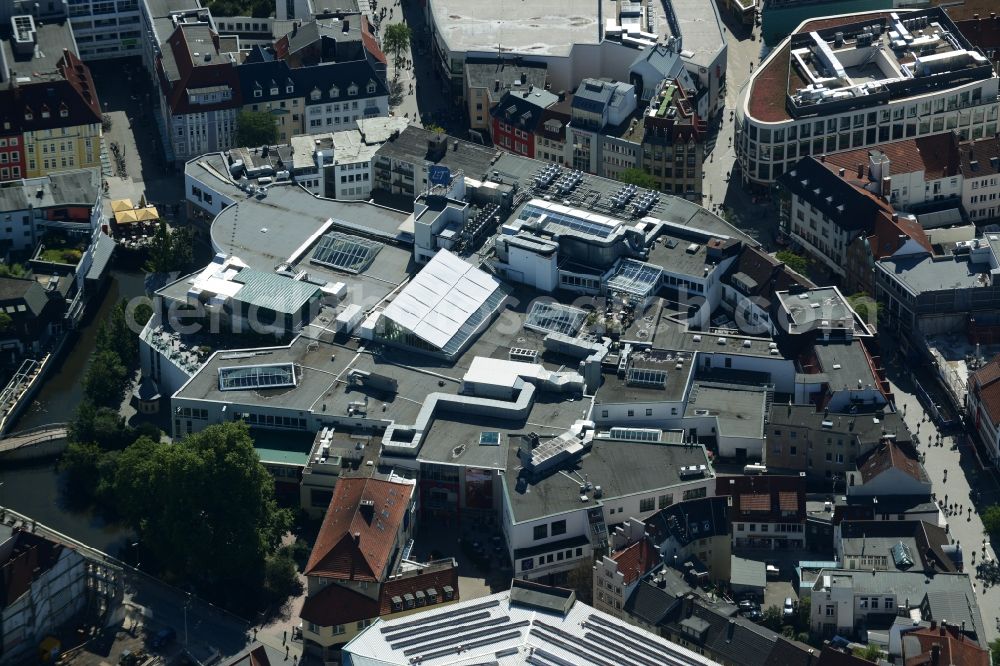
(344, 252)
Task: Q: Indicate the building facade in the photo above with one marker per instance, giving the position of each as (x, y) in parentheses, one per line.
(846, 82)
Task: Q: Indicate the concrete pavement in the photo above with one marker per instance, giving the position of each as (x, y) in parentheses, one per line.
(755, 219)
(954, 471)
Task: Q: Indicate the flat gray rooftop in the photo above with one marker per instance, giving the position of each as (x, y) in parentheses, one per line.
(266, 233)
(867, 427)
(844, 364)
(411, 146)
(740, 410)
(51, 38)
(700, 25)
(317, 366)
(618, 390)
(807, 310)
(926, 273)
(453, 439)
(549, 29)
(621, 468)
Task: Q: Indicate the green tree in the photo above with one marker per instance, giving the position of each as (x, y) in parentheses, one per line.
(103, 426)
(6, 323)
(866, 307)
(796, 262)
(281, 579)
(106, 380)
(255, 128)
(205, 495)
(995, 650)
(991, 520)
(869, 652)
(115, 336)
(81, 467)
(771, 618)
(639, 177)
(397, 40)
(13, 271)
(170, 249)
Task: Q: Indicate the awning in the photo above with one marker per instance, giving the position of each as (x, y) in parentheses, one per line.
(121, 204)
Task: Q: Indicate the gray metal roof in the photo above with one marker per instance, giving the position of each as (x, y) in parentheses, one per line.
(103, 251)
(274, 292)
(79, 187)
(748, 573)
(844, 364)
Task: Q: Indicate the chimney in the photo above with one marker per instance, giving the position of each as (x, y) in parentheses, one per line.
(496, 85)
(861, 171)
(842, 172)
(935, 654)
(895, 217)
(347, 25)
(730, 630)
(295, 28)
(357, 538)
(822, 158)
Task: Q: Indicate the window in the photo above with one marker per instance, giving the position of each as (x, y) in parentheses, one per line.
(890, 603)
(695, 493)
(258, 92)
(631, 412)
(364, 624)
(337, 629)
(830, 610)
(863, 602)
(649, 412)
(646, 505)
(528, 564)
(541, 532)
(663, 501)
(558, 527)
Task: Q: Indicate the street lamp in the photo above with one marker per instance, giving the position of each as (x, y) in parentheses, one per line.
(186, 604)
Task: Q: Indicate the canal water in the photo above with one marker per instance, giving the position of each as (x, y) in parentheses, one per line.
(34, 489)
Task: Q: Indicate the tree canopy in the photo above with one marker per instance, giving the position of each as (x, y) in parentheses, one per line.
(170, 250)
(397, 40)
(255, 128)
(201, 497)
(638, 177)
(991, 520)
(796, 262)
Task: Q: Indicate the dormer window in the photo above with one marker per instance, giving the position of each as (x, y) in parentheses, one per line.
(353, 90)
(28, 115)
(45, 112)
(63, 112)
(334, 92)
(257, 90)
(314, 95)
(289, 86)
(274, 88)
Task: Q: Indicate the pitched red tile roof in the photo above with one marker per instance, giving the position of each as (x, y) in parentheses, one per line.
(886, 237)
(359, 531)
(336, 604)
(750, 503)
(762, 495)
(371, 45)
(985, 384)
(192, 76)
(637, 560)
(955, 648)
(433, 577)
(888, 455)
(936, 155)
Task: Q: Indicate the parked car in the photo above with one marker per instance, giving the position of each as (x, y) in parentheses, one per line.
(750, 609)
(163, 638)
(772, 571)
(789, 609)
